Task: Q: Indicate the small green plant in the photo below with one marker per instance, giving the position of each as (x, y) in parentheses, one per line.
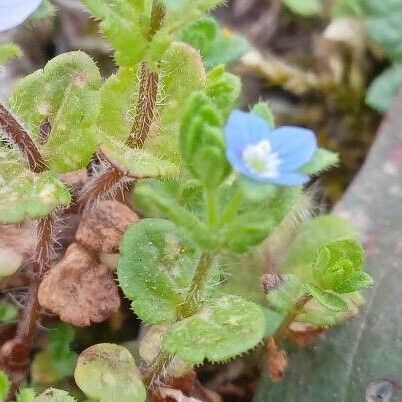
(213, 184)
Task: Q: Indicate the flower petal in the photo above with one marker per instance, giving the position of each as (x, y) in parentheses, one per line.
(295, 146)
(245, 128)
(15, 12)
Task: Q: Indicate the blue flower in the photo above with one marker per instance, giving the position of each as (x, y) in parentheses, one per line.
(265, 154)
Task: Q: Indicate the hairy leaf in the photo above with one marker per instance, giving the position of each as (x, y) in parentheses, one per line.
(4, 385)
(156, 268)
(322, 160)
(217, 46)
(222, 330)
(163, 200)
(108, 373)
(9, 51)
(27, 195)
(8, 313)
(182, 73)
(59, 106)
(384, 88)
(384, 27)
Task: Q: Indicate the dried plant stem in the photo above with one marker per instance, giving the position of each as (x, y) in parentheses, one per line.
(281, 332)
(14, 354)
(19, 137)
(145, 110)
(102, 185)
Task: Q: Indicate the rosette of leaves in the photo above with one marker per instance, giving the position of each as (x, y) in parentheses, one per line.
(325, 264)
(130, 29)
(26, 194)
(59, 106)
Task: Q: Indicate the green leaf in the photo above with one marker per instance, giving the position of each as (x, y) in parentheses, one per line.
(258, 217)
(322, 160)
(27, 195)
(217, 46)
(262, 109)
(26, 395)
(328, 299)
(201, 142)
(283, 297)
(182, 13)
(65, 96)
(54, 395)
(138, 163)
(8, 313)
(226, 328)
(223, 88)
(108, 373)
(347, 8)
(182, 73)
(125, 25)
(155, 269)
(9, 51)
(338, 266)
(383, 26)
(57, 361)
(4, 385)
(306, 8)
(163, 202)
(313, 235)
(384, 88)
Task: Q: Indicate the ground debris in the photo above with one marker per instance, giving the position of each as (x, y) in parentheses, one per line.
(103, 225)
(79, 289)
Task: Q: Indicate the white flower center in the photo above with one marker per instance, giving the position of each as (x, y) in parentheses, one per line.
(261, 159)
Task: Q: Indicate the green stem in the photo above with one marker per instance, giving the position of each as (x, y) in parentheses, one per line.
(281, 332)
(197, 286)
(232, 207)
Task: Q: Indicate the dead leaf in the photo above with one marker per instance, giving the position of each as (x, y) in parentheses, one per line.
(79, 289)
(303, 334)
(277, 360)
(103, 225)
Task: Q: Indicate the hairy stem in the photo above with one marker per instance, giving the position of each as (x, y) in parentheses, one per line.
(14, 354)
(145, 110)
(102, 185)
(19, 137)
(281, 332)
(157, 367)
(197, 286)
(149, 84)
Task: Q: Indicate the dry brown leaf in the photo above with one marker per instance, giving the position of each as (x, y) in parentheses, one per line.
(103, 225)
(303, 334)
(79, 289)
(277, 361)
